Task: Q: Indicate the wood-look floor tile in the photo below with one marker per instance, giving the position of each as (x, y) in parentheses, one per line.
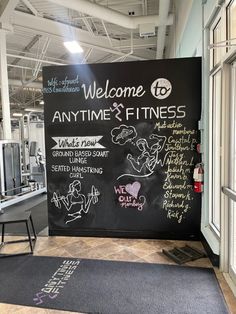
(65, 240)
(146, 247)
(228, 294)
(158, 258)
(141, 253)
(19, 309)
(32, 310)
(88, 254)
(62, 312)
(43, 243)
(123, 255)
(77, 246)
(5, 308)
(201, 262)
(127, 242)
(108, 248)
(54, 252)
(95, 241)
(15, 248)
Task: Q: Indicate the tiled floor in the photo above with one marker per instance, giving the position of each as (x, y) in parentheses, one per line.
(148, 251)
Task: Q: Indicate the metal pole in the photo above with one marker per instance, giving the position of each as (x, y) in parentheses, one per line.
(4, 88)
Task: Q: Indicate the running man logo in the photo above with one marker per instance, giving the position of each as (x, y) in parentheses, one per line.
(161, 88)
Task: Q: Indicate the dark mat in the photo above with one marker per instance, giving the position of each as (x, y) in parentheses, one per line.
(97, 286)
(40, 219)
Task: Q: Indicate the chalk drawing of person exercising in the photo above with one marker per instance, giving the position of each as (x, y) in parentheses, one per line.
(75, 197)
(116, 107)
(147, 160)
(144, 159)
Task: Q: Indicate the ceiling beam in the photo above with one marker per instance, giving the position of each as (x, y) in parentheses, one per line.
(62, 32)
(6, 9)
(112, 16)
(36, 59)
(18, 83)
(25, 50)
(29, 6)
(119, 3)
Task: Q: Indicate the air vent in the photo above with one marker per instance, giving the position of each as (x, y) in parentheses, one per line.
(147, 30)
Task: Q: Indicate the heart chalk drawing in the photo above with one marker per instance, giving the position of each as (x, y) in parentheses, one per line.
(133, 188)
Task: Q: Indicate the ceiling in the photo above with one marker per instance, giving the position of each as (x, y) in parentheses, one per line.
(108, 31)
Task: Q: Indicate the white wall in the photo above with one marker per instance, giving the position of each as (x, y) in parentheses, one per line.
(190, 16)
(191, 41)
(181, 10)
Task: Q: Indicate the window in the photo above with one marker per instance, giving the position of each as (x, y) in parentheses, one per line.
(216, 34)
(231, 20)
(232, 166)
(220, 220)
(233, 129)
(216, 147)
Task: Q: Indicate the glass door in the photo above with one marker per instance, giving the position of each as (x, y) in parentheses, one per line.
(232, 208)
(230, 191)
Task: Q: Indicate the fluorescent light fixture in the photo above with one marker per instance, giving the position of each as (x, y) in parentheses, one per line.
(41, 102)
(34, 109)
(73, 46)
(17, 114)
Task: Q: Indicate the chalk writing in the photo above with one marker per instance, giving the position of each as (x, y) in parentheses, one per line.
(166, 125)
(60, 168)
(81, 115)
(139, 113)
(89, 170)
(128, 195)
(59, 153)
(175, 158)
(155, 113)
(77, 142)
(92, 91)
(78, 160)
(81, 153)
(178, 192)
(66, 85)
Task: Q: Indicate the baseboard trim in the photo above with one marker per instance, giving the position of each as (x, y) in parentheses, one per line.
(124, 234)
(215, 259)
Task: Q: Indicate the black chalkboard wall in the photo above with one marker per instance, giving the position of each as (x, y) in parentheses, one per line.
(121, 147)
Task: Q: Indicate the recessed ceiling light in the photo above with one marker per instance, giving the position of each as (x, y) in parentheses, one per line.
(73, 46)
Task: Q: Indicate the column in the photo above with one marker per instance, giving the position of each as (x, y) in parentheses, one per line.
(4, 87)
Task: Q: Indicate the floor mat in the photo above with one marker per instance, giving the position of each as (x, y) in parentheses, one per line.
(109, 287)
